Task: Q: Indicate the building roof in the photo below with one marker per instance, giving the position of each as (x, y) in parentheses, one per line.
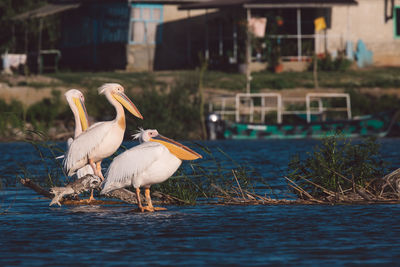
(57, 6)
(46, 10)
(268, 4)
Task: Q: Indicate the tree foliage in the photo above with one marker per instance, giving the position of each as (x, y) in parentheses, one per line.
(12, 32)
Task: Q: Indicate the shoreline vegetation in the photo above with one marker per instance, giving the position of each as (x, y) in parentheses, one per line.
(337, 171)
(171, 100)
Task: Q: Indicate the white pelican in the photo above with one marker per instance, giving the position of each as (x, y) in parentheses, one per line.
(76, 102)
(102, 139)
(151, 162)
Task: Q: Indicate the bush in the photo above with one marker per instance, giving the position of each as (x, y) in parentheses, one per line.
(336, 164)
(326, 63)
(42, 114)
(11, 115)
(173, 112)
(362, 104)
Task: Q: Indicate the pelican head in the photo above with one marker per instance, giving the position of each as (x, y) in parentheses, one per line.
(115, 91)
(180, 151)
(145, 135)
(76, 101)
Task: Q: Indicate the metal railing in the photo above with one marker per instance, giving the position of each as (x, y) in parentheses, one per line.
(244, 106)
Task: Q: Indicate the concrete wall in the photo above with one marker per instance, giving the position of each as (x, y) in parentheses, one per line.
(172, 52)
(366, 21)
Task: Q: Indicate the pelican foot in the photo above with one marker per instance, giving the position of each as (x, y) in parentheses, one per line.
(159, 208)
(139, 209)
(148, 209)
(153, 209)
(87, 201)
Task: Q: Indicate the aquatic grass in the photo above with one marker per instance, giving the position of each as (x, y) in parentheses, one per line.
(205, 179)
(195, 181)
(50, 171)
(336, 165)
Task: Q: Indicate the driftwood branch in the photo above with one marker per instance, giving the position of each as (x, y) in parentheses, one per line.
(64, 195)
(84, 184)
(37, 188)
(391, 181)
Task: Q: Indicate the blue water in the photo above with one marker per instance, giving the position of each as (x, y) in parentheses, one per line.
(32, 233)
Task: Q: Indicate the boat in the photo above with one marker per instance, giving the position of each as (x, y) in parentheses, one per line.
(271, 116)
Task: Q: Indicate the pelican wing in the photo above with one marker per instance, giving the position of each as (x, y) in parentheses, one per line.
(69, 141)
(130, 164)
(85, 170)
(85, 143)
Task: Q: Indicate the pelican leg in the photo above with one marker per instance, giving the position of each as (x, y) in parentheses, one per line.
(93, 165)
(91, 198)
(149, 206)
(140, 207)
(98, 167)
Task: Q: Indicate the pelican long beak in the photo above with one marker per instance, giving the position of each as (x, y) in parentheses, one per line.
(83, 117)
(180, 151)
(127, 103)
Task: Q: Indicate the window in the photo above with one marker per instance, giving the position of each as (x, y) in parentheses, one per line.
(396, 21)
(145, 24)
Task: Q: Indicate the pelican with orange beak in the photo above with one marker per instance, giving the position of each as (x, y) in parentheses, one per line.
(102, 139)
(76, 102)
(152, 162)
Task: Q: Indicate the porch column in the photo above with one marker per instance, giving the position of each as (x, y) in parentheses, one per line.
(349, 44)
(206, 52)
(221, 42)
(39, 61)
(235, 46)
(189, 41)
(248, 53)
(298, 34)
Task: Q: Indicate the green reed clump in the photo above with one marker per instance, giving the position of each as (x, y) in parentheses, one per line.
(338, 165)
(209, 178)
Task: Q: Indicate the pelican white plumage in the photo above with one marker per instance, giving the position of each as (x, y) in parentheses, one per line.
(102, 139)
(76, 102)
(152, 162)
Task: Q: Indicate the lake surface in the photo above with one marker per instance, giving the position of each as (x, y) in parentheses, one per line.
(34, 234)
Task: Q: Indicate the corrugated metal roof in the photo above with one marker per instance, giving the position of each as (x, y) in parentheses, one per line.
(268, 4)
(46, 10)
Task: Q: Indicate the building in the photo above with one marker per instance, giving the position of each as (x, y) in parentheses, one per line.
(162, 35)
(290, 23)
(121, 34)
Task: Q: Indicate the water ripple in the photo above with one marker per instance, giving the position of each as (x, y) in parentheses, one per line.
(34, 234)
